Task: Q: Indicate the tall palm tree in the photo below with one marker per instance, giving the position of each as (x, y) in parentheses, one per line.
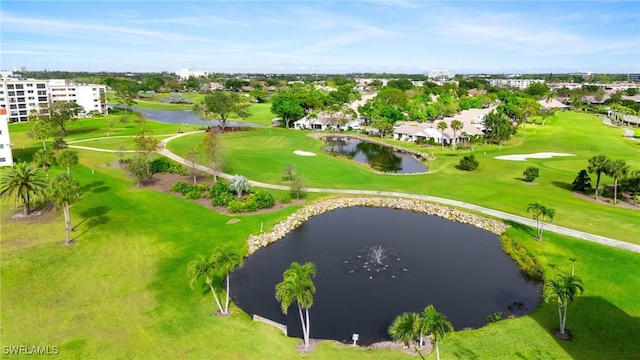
(44, 158)
(24, 184)
(407, 328)
(456, 125)
(438, 325)
(563, 290)
(540, 213)
(297, 286)
(442, 126)
(202, 267)
(225, 260)
(617, 169)
(68, 158)
(598, 164)
(63, 191)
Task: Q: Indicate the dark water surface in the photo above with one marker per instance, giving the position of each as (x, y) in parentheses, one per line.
(381, 158)
(183, 117)
(458, 268)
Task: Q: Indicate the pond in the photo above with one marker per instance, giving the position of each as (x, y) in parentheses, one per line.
(424, 259)
(183, 117)
(379, 157)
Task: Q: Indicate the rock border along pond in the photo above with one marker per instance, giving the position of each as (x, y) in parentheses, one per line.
(296, 219)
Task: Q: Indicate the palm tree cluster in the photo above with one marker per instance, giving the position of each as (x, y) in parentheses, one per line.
(219, 264)
(25, 184)
(541, 212)
(615, 168)
(563, 290)
(297, 286)
(410, 327)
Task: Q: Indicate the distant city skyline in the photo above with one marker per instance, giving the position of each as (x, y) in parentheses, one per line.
(374, 36)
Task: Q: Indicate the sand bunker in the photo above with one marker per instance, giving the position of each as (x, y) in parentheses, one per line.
(304, 153)
(524, 157)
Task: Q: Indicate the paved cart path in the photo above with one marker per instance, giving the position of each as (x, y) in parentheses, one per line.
(480, 209)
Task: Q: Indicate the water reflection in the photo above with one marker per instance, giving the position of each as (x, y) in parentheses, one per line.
(379, 157)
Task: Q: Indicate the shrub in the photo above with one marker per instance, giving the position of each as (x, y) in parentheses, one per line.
(286, 199)
(494, 317)
(162, 165)
(468, 163)
(264, 200)
(181, 187)
(235, 206)
(222, 199)
(531, 173)
(582, 182)
(604, 193)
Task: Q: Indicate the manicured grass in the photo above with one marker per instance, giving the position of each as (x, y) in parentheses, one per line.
(496, 184)
(122, 291)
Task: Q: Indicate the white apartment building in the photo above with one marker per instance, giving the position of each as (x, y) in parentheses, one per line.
(90, 96)
(6, 157)
(185, 73)
(514, 83)
(20, 96)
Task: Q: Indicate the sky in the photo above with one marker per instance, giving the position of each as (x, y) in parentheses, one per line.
(393, 36)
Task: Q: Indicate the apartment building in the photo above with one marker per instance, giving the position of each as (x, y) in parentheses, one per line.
(6, 157)
(90, 96)
(21, 96)
(514, 83)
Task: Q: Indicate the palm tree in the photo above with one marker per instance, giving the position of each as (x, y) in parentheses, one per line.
(437, 324)
(456, 125)
(225, 260)
(202, 267)
(297, 285)
(442, 126)
(24, 183)
(540, 213)
(617, 169)
(406, 328)
(63, 191)
(239, 184)
(68, 158)
(598, 164)
(563, 290)
(44, 158)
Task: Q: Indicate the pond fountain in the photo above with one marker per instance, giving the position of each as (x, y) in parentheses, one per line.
(374, 261)
(362, 286)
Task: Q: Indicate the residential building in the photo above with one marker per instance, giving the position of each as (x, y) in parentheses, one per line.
(91, 97)
(6, 156)
(440, 74)
(20, 96)
(186, 73)
(514, 83)
(633, 77)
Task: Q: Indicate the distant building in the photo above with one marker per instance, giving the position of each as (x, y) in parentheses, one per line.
(5, 74)
(514, 83)
(633, 77)
(19, 97)
(186, 73)
(20, 69)
(6, 156)
(440, 74)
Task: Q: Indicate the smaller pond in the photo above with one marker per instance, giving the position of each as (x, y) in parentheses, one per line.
(379, 157)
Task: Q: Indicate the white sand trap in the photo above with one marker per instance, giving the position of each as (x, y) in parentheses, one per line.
(303, 153)
(524, 157)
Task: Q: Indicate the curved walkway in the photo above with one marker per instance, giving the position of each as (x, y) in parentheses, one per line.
(480, 209)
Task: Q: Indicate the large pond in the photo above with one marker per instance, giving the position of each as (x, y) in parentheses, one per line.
(379, 157)
(183, 117)
(458, 268)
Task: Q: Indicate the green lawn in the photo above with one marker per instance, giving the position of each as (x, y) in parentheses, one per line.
(122, 291)
(497, 184)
